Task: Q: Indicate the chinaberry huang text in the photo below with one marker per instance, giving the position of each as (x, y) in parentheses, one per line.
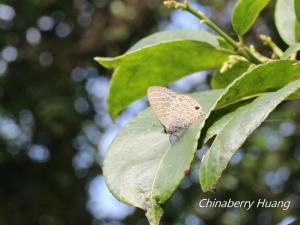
(260, 203)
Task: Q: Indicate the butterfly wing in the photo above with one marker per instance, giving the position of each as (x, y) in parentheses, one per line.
(174, 111)
(160, 100)
(186, 110)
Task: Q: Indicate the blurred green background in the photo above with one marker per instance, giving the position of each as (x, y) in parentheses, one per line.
(55, 129)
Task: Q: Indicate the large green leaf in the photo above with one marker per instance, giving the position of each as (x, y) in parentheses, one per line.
(266, 77)
(221, 80)
(235, 129)
(159, 60)
(286, 23)
(142, 168)
(245, 13)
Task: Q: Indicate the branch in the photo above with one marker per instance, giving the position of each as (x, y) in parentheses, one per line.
(239, 47)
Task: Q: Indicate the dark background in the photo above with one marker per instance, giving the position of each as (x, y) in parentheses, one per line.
(54, 126)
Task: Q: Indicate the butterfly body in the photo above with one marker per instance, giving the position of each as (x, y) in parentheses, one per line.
(176, 112)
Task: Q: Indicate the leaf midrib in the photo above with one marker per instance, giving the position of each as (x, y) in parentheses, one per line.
(156, 173)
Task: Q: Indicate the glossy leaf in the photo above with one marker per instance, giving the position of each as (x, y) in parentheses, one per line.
(235, 131)
(143, 169)
(286, 23)
(221, 80)
(245, 13)
(159, 60)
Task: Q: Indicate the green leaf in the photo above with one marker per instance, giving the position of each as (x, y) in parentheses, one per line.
(172, 35)
(221, 80)
(245, 13)
(158, 60)
(235, 129)
(297, 10)
(286, 23)
(290, 51)
(266, 77)
(143, 169)
(217, 126)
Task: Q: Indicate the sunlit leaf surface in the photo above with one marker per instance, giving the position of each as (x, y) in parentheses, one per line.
(159, 60)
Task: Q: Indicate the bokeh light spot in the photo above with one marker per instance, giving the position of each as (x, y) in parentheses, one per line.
(33, 36)
(9, 53)
(45, 23)
(62, 30)
(7, 13)
(102, 204)
(38, 153)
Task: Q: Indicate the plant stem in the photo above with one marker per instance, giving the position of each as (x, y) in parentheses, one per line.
(204, 19)
(266, 40)
(239, 47)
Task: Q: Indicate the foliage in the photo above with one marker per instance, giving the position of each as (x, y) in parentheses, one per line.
(192, 50)
(286, 21)
(142, 168)
(245, 14)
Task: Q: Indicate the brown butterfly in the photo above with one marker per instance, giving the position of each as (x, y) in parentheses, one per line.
(176, 112)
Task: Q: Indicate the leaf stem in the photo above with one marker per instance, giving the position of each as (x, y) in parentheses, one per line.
(204, 19)
(239, 47)
(266, 40)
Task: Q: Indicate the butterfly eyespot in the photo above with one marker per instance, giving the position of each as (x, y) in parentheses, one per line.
(197, 107)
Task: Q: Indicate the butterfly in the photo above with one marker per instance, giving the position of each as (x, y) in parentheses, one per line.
(176, 112)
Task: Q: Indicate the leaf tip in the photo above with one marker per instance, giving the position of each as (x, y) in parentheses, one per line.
(208, 188)
(112, 109)
(113, 115)
(98, 59)
(203, 185)
(104, 61)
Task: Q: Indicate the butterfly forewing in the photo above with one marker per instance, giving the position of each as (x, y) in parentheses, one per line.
(161, 101)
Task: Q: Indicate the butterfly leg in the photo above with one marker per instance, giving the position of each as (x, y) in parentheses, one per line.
(164, 131)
